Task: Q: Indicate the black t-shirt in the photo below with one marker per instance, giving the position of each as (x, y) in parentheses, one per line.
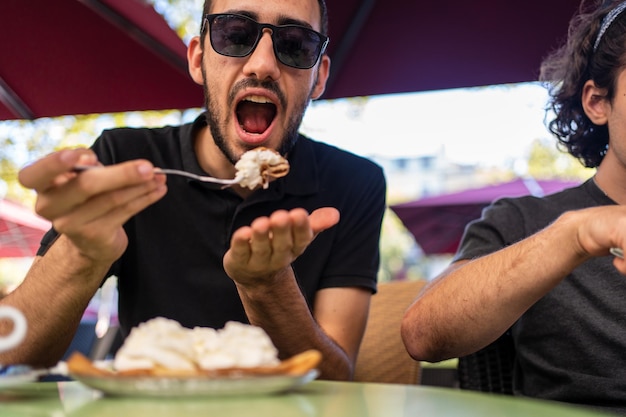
(571, 344)
(173, 264)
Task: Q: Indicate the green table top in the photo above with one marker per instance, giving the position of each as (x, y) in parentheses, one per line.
(318, 398)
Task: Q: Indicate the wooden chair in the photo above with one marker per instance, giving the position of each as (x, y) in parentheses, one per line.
(383, 357)
(490, 369)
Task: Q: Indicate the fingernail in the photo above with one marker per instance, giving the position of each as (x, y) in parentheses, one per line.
(144, 169)
(66, 156)
(85, 160)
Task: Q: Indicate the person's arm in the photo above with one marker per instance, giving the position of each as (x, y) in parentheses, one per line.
(53, 297)
(335, 328)
(342, 314)
(259, 263)
(473, 302)
(88, 211)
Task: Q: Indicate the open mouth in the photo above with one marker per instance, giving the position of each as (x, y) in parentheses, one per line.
(255, 114)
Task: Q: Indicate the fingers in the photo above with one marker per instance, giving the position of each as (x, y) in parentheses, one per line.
(263, 236)
(302, 231)
(96, 228)
(281, 237)
(90, 207)
(110, 210)
(61, 191)
(54, 168)
(72, 190)
(266, 243)
(323, 218)
(620, 265)
(272, 243)
(279, 240)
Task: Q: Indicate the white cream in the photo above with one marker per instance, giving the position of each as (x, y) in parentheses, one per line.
(255, 167)
(164, 343)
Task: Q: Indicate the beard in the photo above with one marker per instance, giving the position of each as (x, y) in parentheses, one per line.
(217, 122)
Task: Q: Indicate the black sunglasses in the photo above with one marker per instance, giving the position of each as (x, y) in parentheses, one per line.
(237, 35)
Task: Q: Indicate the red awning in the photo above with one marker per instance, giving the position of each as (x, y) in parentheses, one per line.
(438, 222)
(21, 230)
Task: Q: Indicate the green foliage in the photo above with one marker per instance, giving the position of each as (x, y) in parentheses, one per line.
(20, 142)
(23, 141)
(399, 257)
(184, 16)
(546, 161)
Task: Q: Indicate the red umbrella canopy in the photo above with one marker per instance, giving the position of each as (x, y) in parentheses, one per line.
(66, 57)
(20, 230)
(93, 56)
(395, 46)
(438, 222)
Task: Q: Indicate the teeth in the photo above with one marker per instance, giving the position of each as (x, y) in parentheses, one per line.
(257, 99)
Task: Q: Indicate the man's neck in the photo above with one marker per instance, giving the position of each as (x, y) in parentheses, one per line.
(611, 179)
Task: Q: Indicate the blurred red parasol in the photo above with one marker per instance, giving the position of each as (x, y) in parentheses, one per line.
(438, 222)
(66, 57)
(96, 56)
(396, 46)
(20, 230)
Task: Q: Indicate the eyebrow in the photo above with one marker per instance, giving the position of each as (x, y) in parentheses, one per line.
(282, 20)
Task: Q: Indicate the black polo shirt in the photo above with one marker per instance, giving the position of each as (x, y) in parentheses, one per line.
(173, 264)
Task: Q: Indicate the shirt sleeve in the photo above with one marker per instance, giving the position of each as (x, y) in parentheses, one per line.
(355, 257)
(500, 225)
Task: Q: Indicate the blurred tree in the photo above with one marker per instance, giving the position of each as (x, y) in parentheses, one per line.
(545, 160)
(184, 16)
(22, 141)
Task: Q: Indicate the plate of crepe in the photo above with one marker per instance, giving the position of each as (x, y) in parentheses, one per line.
(287, 375)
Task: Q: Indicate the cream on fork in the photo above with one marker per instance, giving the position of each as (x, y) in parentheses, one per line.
(256, 167)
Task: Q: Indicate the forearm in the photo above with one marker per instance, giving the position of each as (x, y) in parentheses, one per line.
(473, 303)
(282, 311)
(53, 297)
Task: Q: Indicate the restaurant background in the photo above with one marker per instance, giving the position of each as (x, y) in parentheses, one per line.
(427, 143)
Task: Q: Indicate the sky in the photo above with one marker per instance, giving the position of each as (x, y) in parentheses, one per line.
(475, 126)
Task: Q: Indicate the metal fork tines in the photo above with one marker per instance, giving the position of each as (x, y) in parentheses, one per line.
(617, 252)
(167, 171)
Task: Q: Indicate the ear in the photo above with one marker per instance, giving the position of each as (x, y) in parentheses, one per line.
(322, 76)
(595, 104)
(194, 59)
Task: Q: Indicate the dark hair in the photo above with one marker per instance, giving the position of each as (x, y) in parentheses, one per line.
(568, 69)
(323, 16)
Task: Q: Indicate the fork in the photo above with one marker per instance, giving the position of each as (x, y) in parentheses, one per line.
(617, 252)
(203, 178)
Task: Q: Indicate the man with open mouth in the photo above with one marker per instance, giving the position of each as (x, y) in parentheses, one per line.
(298, 259)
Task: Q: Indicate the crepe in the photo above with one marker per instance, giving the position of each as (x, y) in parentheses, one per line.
(163, 347)
(259, 166)
(79, 365)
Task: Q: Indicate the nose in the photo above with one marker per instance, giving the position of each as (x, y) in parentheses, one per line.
(262, 62)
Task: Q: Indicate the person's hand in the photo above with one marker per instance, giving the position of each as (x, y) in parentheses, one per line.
(598, 229)
(90, 208)
(270, 244)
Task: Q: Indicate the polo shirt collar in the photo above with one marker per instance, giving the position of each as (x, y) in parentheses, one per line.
(187, 141)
